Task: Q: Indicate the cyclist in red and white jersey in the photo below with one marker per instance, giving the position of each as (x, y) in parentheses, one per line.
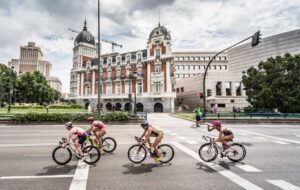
(98, 128)
(75, 133)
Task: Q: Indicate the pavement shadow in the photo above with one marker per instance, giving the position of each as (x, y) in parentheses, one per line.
(136, 169)
(205, 168)
(246, 144)
(227, 165)
(57, 170)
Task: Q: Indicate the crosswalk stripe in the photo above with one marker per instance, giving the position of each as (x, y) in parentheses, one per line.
(261, 138)
(80, 177)
(36, 177)
(283, 184)
(192, 142)
(220, 169)
(248, 168)
(181, 138)
(173, 134)
(280, 142)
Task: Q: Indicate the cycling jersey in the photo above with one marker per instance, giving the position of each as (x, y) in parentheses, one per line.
(157, 131)
(227, 132)
(77, 131)
(99, 124)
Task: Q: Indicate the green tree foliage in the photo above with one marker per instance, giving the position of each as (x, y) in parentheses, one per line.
(7, 81)
(33, 88)
(274, 84)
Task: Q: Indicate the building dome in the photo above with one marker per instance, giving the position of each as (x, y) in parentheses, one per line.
(85, 36)
(159, 30)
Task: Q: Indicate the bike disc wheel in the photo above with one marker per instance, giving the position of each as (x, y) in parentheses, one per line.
(208, 152)
(91, 154)
(137, 153)
(61, 155)
(166, 153)
(236, 152)
(109, 144)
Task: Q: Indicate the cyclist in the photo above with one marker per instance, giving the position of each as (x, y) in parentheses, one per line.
(98, 128)
(75, 133)
(225, 135)
(152, 131)
(198, 115)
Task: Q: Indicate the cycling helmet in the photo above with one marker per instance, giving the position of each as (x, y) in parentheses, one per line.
(68, 125)
(216, 123)
(90, 119)
(144, 124)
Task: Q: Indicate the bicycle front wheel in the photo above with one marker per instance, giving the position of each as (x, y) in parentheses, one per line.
(109, 144)
(137, 153)
(236, 152)
(208, 152)
(62, 155)
(166, 153)
(91, 154)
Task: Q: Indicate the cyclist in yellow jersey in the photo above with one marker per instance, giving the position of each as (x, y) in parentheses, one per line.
(152, 131)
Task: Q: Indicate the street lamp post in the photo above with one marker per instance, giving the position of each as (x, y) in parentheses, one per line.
(99, 65)
(255, 41)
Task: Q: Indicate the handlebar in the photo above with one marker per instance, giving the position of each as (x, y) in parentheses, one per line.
(207, 138)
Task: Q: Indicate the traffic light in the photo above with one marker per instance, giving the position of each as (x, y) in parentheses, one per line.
(208, 92)
(256, 38)
(201, 95)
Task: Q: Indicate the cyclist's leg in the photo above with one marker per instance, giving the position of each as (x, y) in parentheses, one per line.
(156, 142)
(100, 133)
(197, 121)
(226, 138)
(95, 131)
(80, 143)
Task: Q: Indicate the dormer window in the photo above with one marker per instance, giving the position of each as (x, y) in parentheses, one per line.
(157, 32)
(157, 68)
(128, 58)
(139, 57)
(157, 53)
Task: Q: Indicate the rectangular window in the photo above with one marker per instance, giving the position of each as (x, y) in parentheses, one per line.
(139, 88)
(177, 90)
(182, 67)
(118, 88)
(127, 88)
(109, 89)
(157, 68)
(157, 53)
(118, 60)
(139, 72)
(128, 58)
(127, 72)
(225, 67)
(157, 87)
(238, 89)
(228, 88)
(139, 57)
(219, 89)
(221, 106)
(118, 74)
(109, 75)
(182, 89)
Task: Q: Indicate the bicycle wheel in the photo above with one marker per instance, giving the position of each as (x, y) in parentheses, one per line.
(166, 153)
(137, 153)
(208, 152)
(62, 155)
(109, 144)
(91, 154)
(236, 152)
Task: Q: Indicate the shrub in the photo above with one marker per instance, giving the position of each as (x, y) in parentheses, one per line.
(65, 106)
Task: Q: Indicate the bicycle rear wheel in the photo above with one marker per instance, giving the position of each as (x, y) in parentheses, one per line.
(62, 155)
(208, 152)
(109, 144)
(166, 153)
(91, 154)
(137, 153)
(236, 152)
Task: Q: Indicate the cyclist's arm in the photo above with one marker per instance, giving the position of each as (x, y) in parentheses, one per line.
(143, 134)
(148, 132)
(89, 129)
(210, 128)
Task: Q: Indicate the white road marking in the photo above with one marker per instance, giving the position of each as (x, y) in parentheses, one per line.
(192, 142)
(248, 168)
(29, 135)
(243, 134)
(260, 138)
(283, 184)
(36, 155)
(268, 136)
(27, 145)
(80, 177)
(297, 135)
(280, 142)
(220, 169)
(181, 138)
(173, 134)
(36, 177)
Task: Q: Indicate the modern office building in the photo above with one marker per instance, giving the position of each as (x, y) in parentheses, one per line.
(146, 74)
(31, 59)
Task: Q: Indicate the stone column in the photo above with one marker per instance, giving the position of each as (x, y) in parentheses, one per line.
(93, 83)
(148, 78)
(78, 82)
(82, 84)
(168, 81)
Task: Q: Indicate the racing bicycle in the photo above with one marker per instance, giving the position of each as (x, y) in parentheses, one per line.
(137, 153)
(63, 155)
(209, 151)
(108, 143)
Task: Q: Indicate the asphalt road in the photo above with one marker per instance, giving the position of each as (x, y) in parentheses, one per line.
(272, 160)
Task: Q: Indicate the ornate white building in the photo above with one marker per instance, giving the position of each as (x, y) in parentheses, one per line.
(148, 73)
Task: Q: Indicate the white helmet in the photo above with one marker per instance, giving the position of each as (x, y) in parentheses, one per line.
(68, 125)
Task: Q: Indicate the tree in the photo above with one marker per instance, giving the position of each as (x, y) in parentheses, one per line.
(274, 84)
(33, 88)
(7, 82)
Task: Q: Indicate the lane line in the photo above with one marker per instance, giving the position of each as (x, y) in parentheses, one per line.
(243, 134)
(192, 142)
(261, 138)
(280, 142)
(173, 134)
(248, 168)
(181, 138)
(36, 177)
(80, 177)
(27, 145)
(36, 155)
(283, 185)
(268, 136)
(220, 169)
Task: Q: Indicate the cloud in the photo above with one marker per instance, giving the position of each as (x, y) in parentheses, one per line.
(194, 25)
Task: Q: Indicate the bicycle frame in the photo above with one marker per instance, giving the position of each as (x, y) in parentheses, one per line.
(212, 142)
(143, 144)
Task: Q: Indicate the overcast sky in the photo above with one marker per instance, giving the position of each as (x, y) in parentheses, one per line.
(194, 24)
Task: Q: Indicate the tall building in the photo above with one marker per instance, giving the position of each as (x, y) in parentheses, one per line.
(31, 59)
(146, 73)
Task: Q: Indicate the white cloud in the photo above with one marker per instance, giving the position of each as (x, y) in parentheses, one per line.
(203, 24)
